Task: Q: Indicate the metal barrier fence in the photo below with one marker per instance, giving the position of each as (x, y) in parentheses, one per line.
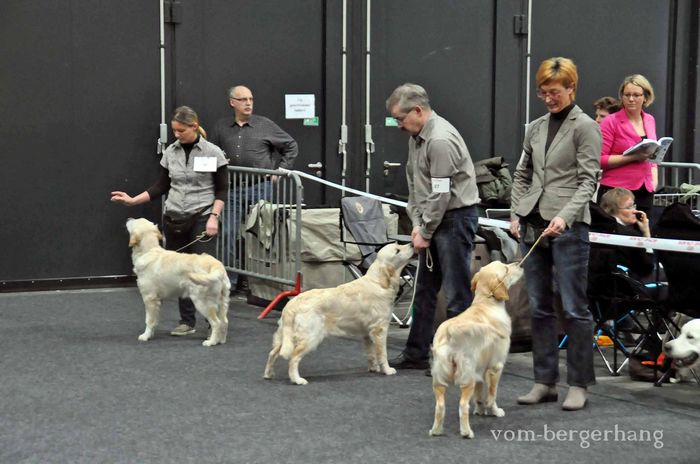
(676, 184)
(262, 207)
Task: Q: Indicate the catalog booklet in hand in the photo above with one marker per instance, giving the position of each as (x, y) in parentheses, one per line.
(656, 149)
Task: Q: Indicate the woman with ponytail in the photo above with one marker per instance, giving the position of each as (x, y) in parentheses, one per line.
(193, 174)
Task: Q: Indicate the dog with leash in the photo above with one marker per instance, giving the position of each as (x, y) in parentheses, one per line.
(358, 308)
(163, 274)
(470, 350)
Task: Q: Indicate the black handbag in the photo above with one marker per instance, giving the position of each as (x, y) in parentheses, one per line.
(534, 226)
(174, 225)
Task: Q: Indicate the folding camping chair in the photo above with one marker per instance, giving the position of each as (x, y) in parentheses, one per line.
(363, 219)
(617, 298)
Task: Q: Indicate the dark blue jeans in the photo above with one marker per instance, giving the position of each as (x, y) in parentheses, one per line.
(451, 250)
(187, 309)
(564, 262)
(240, 201)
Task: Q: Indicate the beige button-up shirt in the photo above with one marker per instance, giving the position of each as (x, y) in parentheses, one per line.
(440, 174)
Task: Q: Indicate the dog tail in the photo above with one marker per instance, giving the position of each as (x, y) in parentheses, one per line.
(215, 274)
(287, 328)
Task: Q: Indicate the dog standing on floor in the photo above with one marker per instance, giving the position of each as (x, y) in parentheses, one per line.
(163, 274)
(358, 308)
(470, 350)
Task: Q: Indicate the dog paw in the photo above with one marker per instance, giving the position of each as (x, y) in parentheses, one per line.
(144, 337)
(467, 434)
(268, 376)
(499, 412)
(374, 369)
(390, 371)
(436, 432)
(208, 343)
(301, 381)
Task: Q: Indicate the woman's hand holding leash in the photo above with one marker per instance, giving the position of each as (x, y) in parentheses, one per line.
(556, 227)
(515, 228)
(212, 226)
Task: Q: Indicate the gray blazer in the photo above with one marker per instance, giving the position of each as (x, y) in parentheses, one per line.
(563, 180)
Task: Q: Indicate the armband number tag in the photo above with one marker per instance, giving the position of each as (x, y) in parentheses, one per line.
(205, 164)
(440, 184)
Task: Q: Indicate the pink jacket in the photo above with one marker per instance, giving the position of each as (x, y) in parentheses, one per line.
(618, 136)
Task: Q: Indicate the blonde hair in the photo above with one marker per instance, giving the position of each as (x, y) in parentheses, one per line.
(187, 116)
(639, 81)
(558, 70)
(610, 201)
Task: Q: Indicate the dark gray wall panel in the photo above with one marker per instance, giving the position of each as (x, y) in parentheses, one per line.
(508, 81)
(273, 47)
(80, 88)
(608, 41)
(445, 46)
(685, 80)
(83, 99)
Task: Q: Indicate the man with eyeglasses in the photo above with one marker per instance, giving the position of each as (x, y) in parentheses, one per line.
(250, 140)
(442, 199)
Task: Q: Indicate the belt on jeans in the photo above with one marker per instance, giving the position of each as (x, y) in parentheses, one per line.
(459, 210)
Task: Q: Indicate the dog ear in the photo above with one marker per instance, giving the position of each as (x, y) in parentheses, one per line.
(134, 240)
(387, 274)
(475, 279)
(499, 290)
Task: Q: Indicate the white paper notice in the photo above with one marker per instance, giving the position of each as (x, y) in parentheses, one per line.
(300, 106)
(205, 164)
(440, 184)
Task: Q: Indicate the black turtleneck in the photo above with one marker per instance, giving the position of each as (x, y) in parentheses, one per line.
(555, 122)
(188, 149)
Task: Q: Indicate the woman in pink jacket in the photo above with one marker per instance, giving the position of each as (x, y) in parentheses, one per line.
(620, 131)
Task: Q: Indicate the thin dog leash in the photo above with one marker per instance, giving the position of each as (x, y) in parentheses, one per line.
(197, 239)
(429, 265)
(520, 263)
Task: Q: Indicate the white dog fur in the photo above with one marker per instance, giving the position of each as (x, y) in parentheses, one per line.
(685, 349)
(164, 274)
(358, 308)
(470, 349)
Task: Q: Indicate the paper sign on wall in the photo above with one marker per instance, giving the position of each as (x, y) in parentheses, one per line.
(300, 106)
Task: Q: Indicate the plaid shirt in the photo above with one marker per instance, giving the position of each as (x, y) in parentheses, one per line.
(259, 143)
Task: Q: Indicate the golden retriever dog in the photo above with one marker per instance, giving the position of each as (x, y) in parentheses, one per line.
(470, 350)
(358, 308)
(162, 273)
(685, 349)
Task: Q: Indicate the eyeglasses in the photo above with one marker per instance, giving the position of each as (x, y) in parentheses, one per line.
(553, 94)
(401, 118)
(243, 99)
(630, 207)
(631, 96)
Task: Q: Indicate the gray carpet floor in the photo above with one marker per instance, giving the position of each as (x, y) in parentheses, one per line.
(78, 387)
